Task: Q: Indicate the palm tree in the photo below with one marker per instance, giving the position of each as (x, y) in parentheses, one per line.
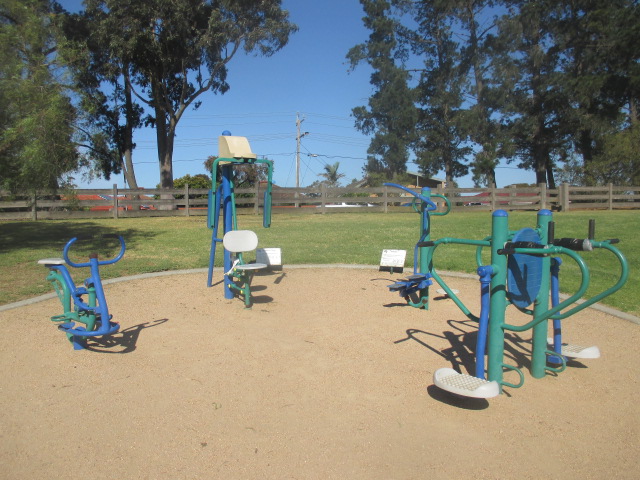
(331, 175)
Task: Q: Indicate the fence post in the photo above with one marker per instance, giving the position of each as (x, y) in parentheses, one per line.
(564, 197)
(543, 195)
(186, 199)
(386, 199)
(513, 193)
(256, 198)
(323, 198)
(34, 207)
(439, 204)
(610, 186)
(115, 200)
(492, 195)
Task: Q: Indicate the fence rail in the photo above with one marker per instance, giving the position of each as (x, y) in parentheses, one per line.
(126, 203)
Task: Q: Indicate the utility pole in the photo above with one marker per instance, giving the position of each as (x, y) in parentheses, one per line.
(298, 137)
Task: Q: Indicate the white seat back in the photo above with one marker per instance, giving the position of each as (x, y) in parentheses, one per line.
(234, 147)
(240, 241)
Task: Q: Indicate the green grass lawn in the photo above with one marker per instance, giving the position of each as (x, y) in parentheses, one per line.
(159, 244)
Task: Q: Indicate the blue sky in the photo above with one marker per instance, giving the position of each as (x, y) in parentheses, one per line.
(310, 76)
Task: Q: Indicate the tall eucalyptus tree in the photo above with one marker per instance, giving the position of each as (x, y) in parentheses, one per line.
(168, 53)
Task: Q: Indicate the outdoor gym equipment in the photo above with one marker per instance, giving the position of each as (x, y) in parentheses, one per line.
(237, 242)
(522, 272)
(82, 317)
(415, 288)
(234, 152)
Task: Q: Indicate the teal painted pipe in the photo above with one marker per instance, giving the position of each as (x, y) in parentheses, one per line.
(624, 275)
(442, 283)
(584, 284)
(495, 352)
(541, 303)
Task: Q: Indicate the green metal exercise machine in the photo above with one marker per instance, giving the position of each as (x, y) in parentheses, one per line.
(233, 153)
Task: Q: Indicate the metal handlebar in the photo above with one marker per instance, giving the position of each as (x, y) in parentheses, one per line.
(65, 251)
(447, 203)
(417, 195)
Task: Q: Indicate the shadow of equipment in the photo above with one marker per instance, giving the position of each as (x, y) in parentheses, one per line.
(124, 341)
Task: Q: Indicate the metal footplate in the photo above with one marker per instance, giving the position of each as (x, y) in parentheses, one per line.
(576, 351)
(466, 385)
(411, 284)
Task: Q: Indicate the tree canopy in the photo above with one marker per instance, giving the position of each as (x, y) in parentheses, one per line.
(390, 115)
(165, 54)
(540, 84)
(331, 175)
(36, 116)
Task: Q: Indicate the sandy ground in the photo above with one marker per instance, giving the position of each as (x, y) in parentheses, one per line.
(328, 376)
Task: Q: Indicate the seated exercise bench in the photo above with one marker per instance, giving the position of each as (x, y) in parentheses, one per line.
(239, 276)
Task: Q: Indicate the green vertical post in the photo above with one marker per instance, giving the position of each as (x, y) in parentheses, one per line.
(495, 352)
(541, 303)
(90, 319)
(57, 280)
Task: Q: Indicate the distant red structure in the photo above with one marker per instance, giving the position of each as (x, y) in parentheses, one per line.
(109, 198)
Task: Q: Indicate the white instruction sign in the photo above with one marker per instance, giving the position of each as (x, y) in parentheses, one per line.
(269, 256)
(393, 258)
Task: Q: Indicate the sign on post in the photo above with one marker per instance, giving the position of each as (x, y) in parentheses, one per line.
(393, 260)
(272, 257)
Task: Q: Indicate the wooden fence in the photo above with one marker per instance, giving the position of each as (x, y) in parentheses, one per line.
(126, 203)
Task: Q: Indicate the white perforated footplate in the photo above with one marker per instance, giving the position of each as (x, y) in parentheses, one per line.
(576, 351)
(466, 385)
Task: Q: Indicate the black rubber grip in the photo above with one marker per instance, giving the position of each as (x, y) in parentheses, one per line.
(509, 247)
(576, 244)
(426, 244)
(526, 245)
(592, 229)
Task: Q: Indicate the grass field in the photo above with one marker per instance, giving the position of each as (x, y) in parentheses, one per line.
(160, 244)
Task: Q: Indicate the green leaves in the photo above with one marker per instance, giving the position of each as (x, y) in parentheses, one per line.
(538, 83)
(390, 114)
(36, 148)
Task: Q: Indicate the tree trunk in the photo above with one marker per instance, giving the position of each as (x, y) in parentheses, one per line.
(165, 136)
(540, 154)
(541, 174)
(491, 176)
(127, 168)
(129, 173)
(551, 181)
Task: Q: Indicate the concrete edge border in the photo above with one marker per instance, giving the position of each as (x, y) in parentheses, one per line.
(22, 303)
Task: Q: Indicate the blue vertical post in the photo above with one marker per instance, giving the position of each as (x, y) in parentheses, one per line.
(227, 218)
(213, 221)
(483, 324)
(424, 253)
(555, 300)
